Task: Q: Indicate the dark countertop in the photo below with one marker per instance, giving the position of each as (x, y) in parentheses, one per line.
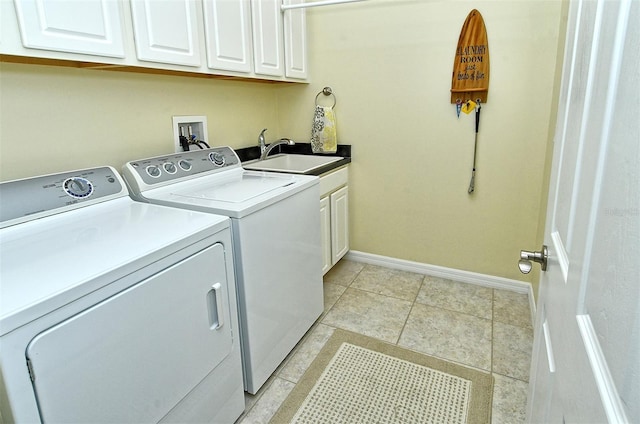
(252, 153)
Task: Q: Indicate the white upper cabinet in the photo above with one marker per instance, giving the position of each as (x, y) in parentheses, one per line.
(92, 27)
(268, 45)
(228, 34)
(245, 38)
(166, 31)
(295, 41)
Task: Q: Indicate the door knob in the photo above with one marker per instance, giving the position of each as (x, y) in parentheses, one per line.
(526, 257)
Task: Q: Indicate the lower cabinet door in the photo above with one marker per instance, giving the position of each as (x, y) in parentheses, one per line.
(325, 233)
(339, 223)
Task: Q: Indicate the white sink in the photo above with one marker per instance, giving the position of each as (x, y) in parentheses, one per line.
(294, 164)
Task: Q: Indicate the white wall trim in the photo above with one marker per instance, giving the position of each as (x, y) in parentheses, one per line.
(449, 273)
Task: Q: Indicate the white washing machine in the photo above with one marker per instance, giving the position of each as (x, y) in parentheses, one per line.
(275, 220)
(113, 310)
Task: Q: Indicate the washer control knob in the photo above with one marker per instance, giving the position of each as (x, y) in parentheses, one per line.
(153, 171)
(217, 158)
(170, 167)
(78, 187)
(184, 164)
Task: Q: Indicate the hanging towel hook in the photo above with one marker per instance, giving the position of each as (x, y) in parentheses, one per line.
(327, 91)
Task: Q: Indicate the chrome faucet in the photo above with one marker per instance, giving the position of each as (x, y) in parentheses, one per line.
(271, 146)
(261, 142)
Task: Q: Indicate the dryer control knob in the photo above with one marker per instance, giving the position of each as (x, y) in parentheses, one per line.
(78, 187)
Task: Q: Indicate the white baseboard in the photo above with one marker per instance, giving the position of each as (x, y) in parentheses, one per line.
(449, 273)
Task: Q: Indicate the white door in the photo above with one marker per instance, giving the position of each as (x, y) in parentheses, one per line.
(267, 37)
(339, 224)
(91, 27)
(325, 234)
(228, 34)
(295, 41)
(166, 31)
(586, 357)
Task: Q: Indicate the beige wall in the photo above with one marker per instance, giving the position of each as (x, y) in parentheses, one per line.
(55, 119)
(389, 63)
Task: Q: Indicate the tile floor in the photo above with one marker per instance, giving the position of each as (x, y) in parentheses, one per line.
(485, 328)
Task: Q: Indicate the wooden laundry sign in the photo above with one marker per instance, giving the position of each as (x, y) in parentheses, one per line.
(470, 77)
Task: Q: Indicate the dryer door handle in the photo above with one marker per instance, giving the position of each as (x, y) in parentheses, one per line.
(214, 306)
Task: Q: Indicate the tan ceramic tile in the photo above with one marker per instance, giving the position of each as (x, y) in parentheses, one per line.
(370, 314)
(512, 350)
(249, 401)
(388, 282)
(332, 293)
(268, 403)
(449, 335)
(344, 272)
(509, 400)
(455, 296)
(433, 326)
(306, 353)
(510, 307)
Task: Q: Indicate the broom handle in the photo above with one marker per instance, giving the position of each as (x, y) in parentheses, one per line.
(475, 143)
(472, 183)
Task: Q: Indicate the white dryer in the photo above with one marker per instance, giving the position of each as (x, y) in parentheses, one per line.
(113, 310)
(275, 219)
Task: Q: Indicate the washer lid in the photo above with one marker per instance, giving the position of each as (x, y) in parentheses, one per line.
(235, 193)
(241, 188)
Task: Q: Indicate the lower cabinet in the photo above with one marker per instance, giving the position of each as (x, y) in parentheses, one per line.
(334, 217)
(325, 231)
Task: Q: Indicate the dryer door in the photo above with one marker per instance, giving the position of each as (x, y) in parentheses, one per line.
(134, 356)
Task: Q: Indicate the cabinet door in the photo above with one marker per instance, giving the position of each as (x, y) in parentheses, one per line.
(91, 27)
(339, 223)
(325, 234)
(267, 37)
(227, 26)
(166, 31)
(295, 41)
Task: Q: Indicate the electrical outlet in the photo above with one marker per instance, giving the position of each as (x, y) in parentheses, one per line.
(189, 126)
